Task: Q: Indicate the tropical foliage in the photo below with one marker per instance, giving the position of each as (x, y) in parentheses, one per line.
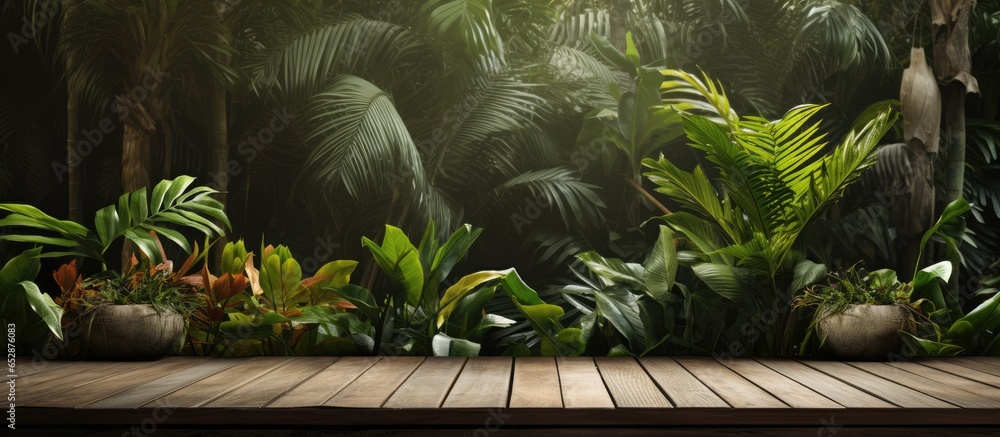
(751, 131)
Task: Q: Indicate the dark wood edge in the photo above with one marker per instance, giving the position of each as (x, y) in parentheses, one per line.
(246, 417)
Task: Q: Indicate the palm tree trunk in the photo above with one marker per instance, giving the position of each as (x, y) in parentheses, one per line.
(954, 135)
(219, 142)
(135, 157)
(953, 65)
(619, 12)
(135, 170)
(73, 160)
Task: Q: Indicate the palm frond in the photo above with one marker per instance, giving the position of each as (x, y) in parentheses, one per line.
(576, 201)
(359, 141)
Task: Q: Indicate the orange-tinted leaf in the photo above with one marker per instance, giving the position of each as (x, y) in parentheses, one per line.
(189, 263)
(228, 286)
(254, 276)
(67, 278)
(344, 304)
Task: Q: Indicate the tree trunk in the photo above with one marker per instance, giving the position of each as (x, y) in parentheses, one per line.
(74, 162)
(953, 96)
(135, 158)
(953, 65)
(219, 141)
(619, 12)
(135, 170)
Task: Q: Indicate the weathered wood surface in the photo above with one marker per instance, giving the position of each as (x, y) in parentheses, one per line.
(525, 392)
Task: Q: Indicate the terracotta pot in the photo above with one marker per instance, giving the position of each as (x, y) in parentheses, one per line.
(865, 332)
(132, 332)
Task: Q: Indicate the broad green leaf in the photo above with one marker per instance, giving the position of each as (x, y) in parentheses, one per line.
(621, 310)
(610, 53)
(461, 288)
(725, 281)
(614, 270)
(924, 347)
(985, 317)
(567, 342)
(927, 284)
(661, 267)
(807, 273)
(399, 259)
(363, 299)
(445, 346)
(630, 51)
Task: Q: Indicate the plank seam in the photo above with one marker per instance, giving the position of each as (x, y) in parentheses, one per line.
(447, 393)
(657, 384)
(799, 383)
(408, 375)
(245, 382)
(859, 387)
(299, 383)
(606, 386)
(373, 363)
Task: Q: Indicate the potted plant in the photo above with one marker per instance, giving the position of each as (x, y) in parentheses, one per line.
(121, 310)
(866, 315)
(859, 314)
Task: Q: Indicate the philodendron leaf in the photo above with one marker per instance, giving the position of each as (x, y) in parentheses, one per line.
(461, 288)
(18, 294)
(44, 307)
(610, 53)
(567, 342)
(399, 259)
(985, 317)
(927, 284)
(661, 267)
(614, 270)
(445, 346)
(807, 273)
(333, 274)
(620, 308)
(924, 347)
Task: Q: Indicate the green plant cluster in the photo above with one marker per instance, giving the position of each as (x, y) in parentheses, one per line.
(691, 213)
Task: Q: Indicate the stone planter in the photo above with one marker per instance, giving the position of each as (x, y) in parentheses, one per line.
(132, 332)
(865, 332)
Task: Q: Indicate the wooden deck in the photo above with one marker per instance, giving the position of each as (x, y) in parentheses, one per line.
(487, 392)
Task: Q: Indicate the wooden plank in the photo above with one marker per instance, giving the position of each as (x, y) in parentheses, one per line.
(24, 366)
(322, 386)
(429, 385)
(965, 372)
(888, 390)
(949, 380)
(930, 387)
(829, 386)
(272, 384)
(730, 386)
(57, 373)
(374, 387)
(536, 383)
(683, 389)
(145, 393)
(629, 385)
(483, 383)
(788, 391)
(69, 378)
(206, 390)
(993, 361)
(581, 384)
(978, 364)
(97, 390)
